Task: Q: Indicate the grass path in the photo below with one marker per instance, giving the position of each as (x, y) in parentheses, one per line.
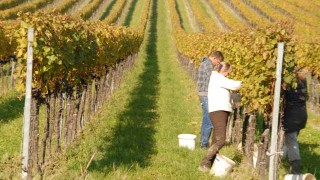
(135, 134)
(184, 18)
(11, 111)
(126, 9)
(138, 129)
(134, 13)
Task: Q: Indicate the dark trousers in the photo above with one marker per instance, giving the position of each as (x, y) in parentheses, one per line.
(219, 120)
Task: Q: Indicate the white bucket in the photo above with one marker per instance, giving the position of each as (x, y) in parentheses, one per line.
(187, 140)
(221, 166)
(306, 176)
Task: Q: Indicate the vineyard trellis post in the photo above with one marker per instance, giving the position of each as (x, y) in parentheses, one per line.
(275, 115)
(27, 106)
(12, 72)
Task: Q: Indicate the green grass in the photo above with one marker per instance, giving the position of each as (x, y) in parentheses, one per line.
(11, 111)
(135, 134)
(5, 79)
(309, 142)
(185, 22)
(310, 150)
(108, 10)
(11, 124)
(133, 19)
(137, 131)
(313, 120)
(129, 15)
(206, 8)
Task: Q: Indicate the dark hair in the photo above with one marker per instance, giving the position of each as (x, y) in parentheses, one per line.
(217, 54)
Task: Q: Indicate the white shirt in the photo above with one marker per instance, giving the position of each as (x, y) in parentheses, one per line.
(218, 92)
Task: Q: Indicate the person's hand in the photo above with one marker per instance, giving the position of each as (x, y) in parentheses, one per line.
(235, 97)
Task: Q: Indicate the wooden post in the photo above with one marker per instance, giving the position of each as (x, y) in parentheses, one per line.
(237, 127)
(2, 79)
(262, 157)
(249, 145)
(275, 115)
(12, 72)
(318, 96)
(27, 107)
(229, 127)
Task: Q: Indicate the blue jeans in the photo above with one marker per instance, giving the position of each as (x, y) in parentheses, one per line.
(291, 146)
(206, 126)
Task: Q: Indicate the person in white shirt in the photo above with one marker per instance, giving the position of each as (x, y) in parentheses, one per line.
(219, 109)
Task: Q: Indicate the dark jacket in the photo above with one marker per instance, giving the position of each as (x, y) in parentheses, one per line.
(295, 111)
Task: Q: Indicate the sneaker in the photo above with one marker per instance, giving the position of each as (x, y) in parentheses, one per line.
(203, 168)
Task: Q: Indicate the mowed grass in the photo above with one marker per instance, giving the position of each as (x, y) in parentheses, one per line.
(135, 136)
(133, 17)
(309, 143)
(11, 127)
(11, 122)
(11, 111)
(310, 149)
(184, 19)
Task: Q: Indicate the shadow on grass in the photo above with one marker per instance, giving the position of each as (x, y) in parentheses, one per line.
(108, 10)
(130, 13)
(180, 15)
(310, 158)
(132, 141)
(10, 108)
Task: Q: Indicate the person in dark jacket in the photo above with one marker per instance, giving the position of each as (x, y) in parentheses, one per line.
(295, 119)
(204, 73)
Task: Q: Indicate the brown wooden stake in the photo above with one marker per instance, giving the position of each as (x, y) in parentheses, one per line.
(82, 108)
(59, 117)
(279, 146)
(229, 127)
(249, 145)
(12, 72)
(262, 159)
(107, 85)
(2, 79)
(72, 119)
(100, 95)
(69, 119)
(75, 113)
(45, 136)
(237, 127)
(33, 167)
(7, 76)
(52, 105)
(89, 112)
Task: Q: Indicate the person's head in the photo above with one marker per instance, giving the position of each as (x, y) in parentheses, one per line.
(216, 57)
(302, 74)
(223, 68)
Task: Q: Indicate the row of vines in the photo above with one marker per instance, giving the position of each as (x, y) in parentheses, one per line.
(253, 55)
(23, 7)
(77, 65)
